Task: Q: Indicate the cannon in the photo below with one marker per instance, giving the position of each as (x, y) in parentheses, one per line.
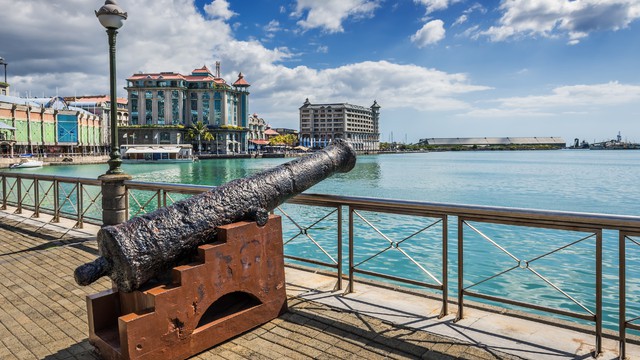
(144, 247)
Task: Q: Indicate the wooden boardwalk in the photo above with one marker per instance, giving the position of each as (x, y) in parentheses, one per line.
(43, 311)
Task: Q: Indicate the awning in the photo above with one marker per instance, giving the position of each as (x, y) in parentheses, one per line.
(149, 150)
(4, 126)
(260, 142)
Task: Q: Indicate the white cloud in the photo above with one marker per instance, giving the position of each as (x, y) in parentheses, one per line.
(461, 20)
(570, 99)
(272, 26)
(42, 59)
(430, 33)
(323, 49)
(394, 85)
(329, 15)
(436, 5)
(219, 9)
(574, 19)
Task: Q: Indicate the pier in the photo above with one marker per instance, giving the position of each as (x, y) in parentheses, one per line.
(44, 315)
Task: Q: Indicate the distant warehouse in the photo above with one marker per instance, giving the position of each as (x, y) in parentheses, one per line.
(555, 142)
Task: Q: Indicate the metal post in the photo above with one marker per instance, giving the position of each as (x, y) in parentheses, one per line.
(598, 350)
(114, 199)
(79, 205)
(445, 261)
(115, 160)
(19, 191)
(622, 314)
(339, 284)
(350, 287)
(56, 201)
(36, 196)
(460, 270)
(4, 193)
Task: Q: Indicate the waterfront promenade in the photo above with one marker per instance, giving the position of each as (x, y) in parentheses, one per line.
(43, 313)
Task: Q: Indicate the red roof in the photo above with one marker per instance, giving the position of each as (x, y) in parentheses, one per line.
(94, 98)
(271, 132)
(204, 68)
(241, 81)
(260, 142)
(157, 76)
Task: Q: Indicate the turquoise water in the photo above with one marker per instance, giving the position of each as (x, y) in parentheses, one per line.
(572, 180)
(569, 180)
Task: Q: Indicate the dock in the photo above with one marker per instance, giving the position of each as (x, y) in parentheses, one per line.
(43, 313)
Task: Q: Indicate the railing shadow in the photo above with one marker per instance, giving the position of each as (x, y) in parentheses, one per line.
(414, 322)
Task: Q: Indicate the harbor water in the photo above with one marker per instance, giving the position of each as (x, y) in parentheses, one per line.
(567, 180)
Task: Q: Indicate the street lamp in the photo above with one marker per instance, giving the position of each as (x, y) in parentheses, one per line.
(112, 17)
(3, 62)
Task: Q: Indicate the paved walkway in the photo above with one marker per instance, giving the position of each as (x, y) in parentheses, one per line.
(43, 313)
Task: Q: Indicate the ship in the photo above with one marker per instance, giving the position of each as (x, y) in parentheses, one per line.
(615, 144)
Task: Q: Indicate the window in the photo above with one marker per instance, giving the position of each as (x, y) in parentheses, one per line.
(134, 107)
(205, 107)
(161, 107)
(194, 107)
(175, 107)
(148, 108)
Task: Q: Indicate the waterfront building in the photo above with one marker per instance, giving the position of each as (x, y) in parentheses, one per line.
(256, 136)
(286, 131)
(4, 88)
(165, 104)
(554, 142)
(47, 126)
(358, 125)
(100, 105)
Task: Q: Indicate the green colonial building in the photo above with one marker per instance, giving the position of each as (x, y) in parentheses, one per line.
(49, 126)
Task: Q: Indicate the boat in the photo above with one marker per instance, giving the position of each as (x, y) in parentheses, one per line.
(27, 163)
(147, 154)
(615, 144)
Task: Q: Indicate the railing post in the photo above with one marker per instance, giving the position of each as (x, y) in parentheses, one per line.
(350, 286)
(460, 270)
(339, 284)
(4, 192)
(80, 206)
(598, 350)
(56, 201)
(114, 198)
(36, 197)
(622, 308)
(159, 195)
(19, 191)
(126, 202)
(445, 261)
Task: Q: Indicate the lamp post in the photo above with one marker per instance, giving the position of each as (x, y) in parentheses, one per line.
(3, 62)
(112, 17)
(114, 190)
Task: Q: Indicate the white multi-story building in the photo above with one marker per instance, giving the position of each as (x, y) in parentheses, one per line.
(358, 125)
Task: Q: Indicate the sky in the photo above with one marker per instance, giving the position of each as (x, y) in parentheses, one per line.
(437, 68)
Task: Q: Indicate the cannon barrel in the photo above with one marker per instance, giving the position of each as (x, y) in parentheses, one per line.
(144, 247)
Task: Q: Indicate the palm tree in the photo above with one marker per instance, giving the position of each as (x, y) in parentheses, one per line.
(201, 132)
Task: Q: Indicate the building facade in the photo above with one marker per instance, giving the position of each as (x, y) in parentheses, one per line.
(100, 105)
(170, 103)
(48, 126)
(358, 125)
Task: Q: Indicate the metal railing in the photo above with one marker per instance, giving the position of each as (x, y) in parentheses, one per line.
(370, 220)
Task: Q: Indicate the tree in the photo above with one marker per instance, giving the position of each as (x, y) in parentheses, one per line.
(288, 140)
(201, 132)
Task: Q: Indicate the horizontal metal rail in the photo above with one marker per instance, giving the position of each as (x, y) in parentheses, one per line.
(70, 197)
